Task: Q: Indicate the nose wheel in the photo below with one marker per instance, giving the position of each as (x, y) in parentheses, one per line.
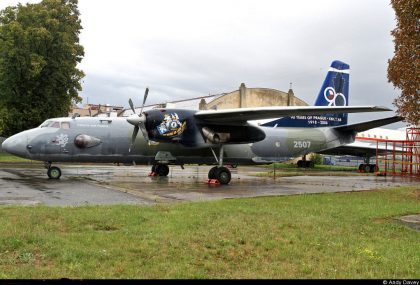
(54, 172)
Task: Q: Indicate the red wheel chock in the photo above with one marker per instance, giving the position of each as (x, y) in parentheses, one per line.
(213, 182)
(152, 174)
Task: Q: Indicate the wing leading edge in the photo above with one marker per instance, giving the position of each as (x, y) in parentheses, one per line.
(241, 115)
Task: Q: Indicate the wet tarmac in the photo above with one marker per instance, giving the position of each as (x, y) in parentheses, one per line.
(412, 221)
(111, 184)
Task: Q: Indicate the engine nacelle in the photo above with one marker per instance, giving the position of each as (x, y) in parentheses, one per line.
(215, 137)
(171, 125)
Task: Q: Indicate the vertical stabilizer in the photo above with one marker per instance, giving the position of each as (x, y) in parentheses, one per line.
(334, 92)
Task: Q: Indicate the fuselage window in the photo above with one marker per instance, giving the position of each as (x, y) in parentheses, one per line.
(55, 125)
(65, 125)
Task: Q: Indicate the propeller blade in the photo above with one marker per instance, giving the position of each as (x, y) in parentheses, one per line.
(133, 137)
(90, 112)
(131, 105)
(144, 99)
(144, 131)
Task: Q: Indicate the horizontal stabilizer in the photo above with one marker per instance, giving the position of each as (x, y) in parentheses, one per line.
(359, 149)
(364, 126)
(241, 115)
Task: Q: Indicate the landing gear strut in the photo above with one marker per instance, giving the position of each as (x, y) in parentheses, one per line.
(160, 169)
(221, 173)
(303, 163)
(367, 166)
(53, 172)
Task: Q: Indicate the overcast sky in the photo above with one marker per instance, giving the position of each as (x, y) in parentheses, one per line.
(182, 49)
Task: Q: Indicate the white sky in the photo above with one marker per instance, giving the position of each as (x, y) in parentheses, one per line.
(186, 48)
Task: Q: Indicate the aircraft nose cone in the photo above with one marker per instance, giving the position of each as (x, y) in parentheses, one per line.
(16, 145)
(5, 145)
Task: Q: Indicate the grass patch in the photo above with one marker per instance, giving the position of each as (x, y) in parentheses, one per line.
(340, 235)
(6, 157)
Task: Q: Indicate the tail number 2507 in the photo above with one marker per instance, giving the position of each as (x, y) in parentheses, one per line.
(301, 144)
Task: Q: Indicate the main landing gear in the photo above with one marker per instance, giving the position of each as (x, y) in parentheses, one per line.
(220, 173)
(367, 167)
(303, 163)
(53, 172)
(160, 170)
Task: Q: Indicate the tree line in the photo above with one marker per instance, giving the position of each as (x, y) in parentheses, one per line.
(40, 51)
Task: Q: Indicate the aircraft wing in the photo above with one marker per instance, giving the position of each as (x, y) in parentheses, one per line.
(241, 115)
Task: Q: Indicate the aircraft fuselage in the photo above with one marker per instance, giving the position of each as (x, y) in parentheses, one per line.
(107, 140)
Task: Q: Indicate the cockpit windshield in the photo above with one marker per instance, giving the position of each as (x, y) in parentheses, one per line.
(55, 124)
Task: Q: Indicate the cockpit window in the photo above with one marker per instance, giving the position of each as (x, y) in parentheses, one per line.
(45, 124)
(65, 125)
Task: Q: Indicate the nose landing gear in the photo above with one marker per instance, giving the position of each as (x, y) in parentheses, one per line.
(53, 172)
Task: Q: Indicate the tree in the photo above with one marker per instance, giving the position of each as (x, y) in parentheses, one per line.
(403, 68)
(39, 53)
(316, 158)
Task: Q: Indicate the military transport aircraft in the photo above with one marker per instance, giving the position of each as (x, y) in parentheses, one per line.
(182, 136)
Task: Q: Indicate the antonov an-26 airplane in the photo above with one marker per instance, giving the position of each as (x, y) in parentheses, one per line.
(181, 136)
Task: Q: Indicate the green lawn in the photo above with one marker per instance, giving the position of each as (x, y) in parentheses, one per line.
(5, 157)
(342, 235)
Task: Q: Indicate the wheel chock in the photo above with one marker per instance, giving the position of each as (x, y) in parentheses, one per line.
(213, 182)
(152, 173)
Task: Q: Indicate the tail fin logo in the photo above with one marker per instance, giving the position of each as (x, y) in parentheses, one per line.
(333, 98)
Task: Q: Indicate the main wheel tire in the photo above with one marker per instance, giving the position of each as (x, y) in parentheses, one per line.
(54, 172)
(300, 163)
(223, 175)
(372, 168)
(212, 173)
(309, 164)
(162, 170)
(368, 168)
(154, 166)
(361, 166)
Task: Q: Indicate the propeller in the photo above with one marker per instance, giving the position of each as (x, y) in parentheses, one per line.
(138, 121)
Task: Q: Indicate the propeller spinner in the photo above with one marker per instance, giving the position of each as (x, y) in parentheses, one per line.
(138, 121)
